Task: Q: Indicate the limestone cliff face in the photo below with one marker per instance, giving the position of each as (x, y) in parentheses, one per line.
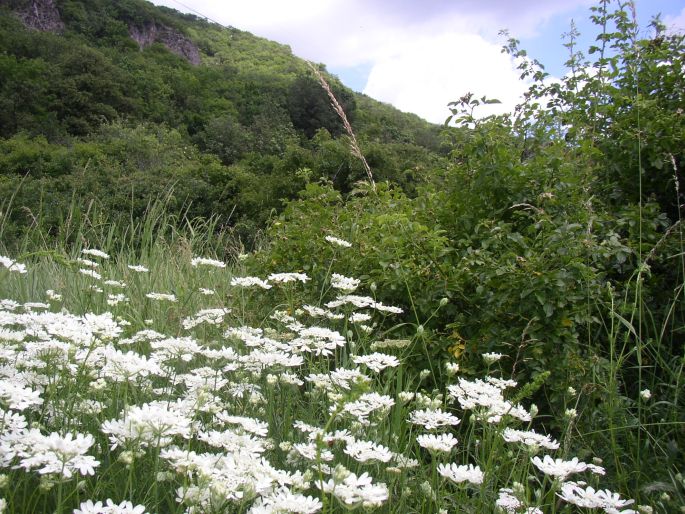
(43, 15)
(39, 15)
(170, 38)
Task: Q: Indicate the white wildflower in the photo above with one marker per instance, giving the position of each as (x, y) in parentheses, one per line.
(529, 438)
(437, 443)
(431, 419)
(161, 296)
(491, 357)
(249, 282)
(377, 361)
(284, 278)
(458, 474)
(589, 498)
(95, 253)
(12, 265)
(561, 469)
(338, 242)
(201, 261)
(344, 283)
(90, 273)
(368, 451)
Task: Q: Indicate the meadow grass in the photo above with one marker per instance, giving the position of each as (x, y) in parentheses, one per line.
(139, 372)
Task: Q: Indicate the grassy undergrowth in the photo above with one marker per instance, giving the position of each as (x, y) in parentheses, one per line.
(157, 378)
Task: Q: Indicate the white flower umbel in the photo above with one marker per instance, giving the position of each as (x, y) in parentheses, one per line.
(561, 469)
(152, 424)
(589, 498)
(377, 361)
(109, 507)
(645, 394)
(486, 396)
(368, 452)
(508, 502)
(87, 262)
(344, 283)
(201, 261)
(432, 419)
(437, 443)
(161, 296)
(250, 282)
(458, 474)
(366, 405)
(491, 357)
(338, 242)
(284, 278)
(209, 316)
(362, 302)
(90, 273)
(284, 501)
(95, 253)
(56, 455)
(529, 438)
(12, 265)
(252, 425)
(356, 491)
(138, 268)
(317, 340)
(17, 396)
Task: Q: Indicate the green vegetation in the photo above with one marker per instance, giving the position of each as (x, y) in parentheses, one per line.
(545, 247)
(87, 113)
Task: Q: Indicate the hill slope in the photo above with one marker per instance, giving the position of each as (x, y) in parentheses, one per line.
(120, 101)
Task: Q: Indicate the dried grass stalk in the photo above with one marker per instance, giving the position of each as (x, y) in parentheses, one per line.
(354, 146)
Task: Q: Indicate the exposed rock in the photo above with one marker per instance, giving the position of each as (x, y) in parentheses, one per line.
(172, 39)
(40, 15)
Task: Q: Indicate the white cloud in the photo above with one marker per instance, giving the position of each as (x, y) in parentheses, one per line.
(437, 70)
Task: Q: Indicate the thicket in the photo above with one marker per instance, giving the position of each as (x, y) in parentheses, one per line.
(555, 237)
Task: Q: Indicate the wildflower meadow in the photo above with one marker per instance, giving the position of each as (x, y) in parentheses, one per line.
(177, 383)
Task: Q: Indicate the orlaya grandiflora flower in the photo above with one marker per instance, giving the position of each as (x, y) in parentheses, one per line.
(437, 443)
(365, 406)
(486, 396)
(432, 419)
(355, 491)
(561, 469)
(149, 425)
(13, 265)
(530, 438)
(283, 500)
(52, 454)
(109, 507)
(377, 361)
(458, 474)
(118, 366)
(368, 452)
(590, 498)
(317, 340)
(232, 477)
(17, 396)
(346, 284)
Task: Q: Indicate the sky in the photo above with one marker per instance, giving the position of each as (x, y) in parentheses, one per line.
(419, 55)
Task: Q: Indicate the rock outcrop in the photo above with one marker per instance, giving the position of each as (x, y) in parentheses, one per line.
(40, 15)
(172, 39)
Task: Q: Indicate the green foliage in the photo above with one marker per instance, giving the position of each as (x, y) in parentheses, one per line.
(555, 236)
(310, 108)
(120, 124)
